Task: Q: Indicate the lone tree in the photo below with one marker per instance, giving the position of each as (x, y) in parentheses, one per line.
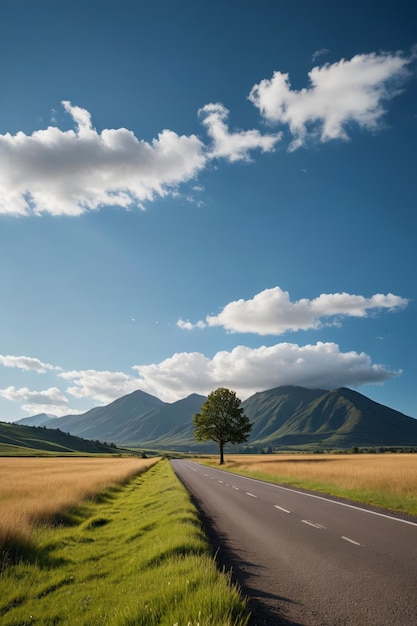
(222, 420)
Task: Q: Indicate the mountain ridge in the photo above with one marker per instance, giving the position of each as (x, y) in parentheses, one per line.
(282, 417)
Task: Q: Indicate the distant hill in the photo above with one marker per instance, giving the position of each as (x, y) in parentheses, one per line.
(36, 420)
(108, 422)
(284, 417)
(18, 439)
(342, 418)
(134, 419)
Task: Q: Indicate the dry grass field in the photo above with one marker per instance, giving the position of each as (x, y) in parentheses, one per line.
(388, 480)
(37, 490)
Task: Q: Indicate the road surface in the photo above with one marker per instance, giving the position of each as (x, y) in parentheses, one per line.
(306, 559)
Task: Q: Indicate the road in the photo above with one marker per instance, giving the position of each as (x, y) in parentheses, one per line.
(306, 559)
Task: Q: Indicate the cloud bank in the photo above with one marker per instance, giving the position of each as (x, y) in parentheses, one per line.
(70, 172)
(271, 311)
(246, 370)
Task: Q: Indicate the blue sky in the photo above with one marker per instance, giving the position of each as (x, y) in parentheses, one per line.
(195, 195)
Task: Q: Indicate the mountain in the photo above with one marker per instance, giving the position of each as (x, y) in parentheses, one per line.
(341, 418)
(270, 411)
(284, 417)
(36, 420)
(16, 439)
(165, 422)
(136, 418)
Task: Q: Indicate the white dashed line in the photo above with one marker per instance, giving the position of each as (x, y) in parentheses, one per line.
(250, 494)
(330, 501)
(306, 521)
(281, 508)
(235, 488)
(220, 481)
(351, 541)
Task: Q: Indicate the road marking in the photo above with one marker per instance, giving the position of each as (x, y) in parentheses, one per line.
(220, 481)
(236, 488)
(281, 508)
(251, 494)
(312, 495)
(306, 521)
(351, 541)
(206, 475)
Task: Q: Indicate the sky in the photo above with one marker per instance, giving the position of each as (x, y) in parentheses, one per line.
(197, 195)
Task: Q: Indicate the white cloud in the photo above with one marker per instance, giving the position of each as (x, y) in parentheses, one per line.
(248, 370)
(50, 400)
(187, 325)
(271, 312)
(348, 91)
(70, 172)
(319, 53)
(26, 363)
(100, 386)
(233, 146)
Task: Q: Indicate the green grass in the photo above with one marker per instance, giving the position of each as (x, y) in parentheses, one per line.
(135, 557)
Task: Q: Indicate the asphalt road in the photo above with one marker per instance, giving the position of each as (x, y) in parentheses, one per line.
(306, 559)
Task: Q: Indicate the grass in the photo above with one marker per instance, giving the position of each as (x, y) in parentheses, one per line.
(136, 556)
(38, 490)
(383, 480)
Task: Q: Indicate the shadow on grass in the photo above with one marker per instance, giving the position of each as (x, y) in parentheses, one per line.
(18, 550)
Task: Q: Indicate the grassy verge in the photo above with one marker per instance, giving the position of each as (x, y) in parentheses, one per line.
(135, 557)
(387, 481)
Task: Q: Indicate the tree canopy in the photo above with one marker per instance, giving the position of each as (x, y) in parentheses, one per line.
(222, 420)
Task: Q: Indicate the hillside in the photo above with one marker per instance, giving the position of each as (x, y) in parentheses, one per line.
(134, 419)
(282, 417)
(342, 418)
(107, 423)
(18, 439)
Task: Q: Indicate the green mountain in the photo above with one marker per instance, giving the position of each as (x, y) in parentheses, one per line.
(18, 439)
(342, 418)
(134, 419)
(282, 417)
(107, 423)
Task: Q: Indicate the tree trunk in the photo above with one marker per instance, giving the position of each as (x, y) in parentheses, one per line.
(221, 444)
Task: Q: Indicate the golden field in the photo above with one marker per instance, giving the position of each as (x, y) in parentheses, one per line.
(388, 480)
(36, 490)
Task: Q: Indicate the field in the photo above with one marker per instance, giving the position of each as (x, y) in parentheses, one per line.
(34, 491)
(98, 546)
(384, 480)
